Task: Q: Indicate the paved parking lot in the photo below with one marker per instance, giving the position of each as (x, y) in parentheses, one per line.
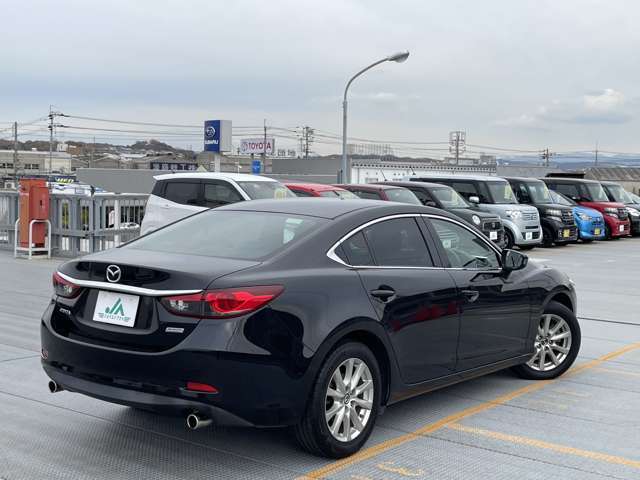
(582, 426)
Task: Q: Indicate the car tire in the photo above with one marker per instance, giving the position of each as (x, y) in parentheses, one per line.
(509, 240)
(565, 349)
(527, 247)
(587, 240)
(562, 244)
(314, 432)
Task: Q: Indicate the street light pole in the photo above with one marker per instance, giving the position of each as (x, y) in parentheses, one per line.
(344, 176)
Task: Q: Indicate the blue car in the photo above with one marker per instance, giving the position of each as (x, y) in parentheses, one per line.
(590, 222)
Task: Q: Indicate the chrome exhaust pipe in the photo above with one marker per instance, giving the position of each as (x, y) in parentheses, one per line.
(54, 387)
(196, 420)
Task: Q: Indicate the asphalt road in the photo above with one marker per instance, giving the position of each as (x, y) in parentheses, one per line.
(582, 426)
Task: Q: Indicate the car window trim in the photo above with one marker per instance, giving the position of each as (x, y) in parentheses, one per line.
(443, 254)
(331, 254)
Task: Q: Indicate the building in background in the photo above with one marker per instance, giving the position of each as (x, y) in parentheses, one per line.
(35, 162)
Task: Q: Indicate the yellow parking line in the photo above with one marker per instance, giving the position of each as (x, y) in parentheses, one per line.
(382, 447)
(619, 372)
(532, 442)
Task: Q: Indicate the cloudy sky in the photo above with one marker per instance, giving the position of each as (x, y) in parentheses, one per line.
(525, 74)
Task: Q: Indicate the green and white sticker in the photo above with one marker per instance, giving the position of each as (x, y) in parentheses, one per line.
(116, 308)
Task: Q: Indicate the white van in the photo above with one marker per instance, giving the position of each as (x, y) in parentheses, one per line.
(178, 195)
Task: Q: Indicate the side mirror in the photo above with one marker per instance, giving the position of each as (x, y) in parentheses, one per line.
(429, 203)
(512, 260)
(474, 199)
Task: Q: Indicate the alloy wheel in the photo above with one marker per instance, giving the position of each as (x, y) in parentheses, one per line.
(553, 343)
(349, 399)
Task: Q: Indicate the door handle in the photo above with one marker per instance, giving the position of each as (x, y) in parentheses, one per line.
(383, 294)
(471, 295)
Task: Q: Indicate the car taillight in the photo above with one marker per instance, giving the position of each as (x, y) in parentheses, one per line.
(226, 303)
(63, 287)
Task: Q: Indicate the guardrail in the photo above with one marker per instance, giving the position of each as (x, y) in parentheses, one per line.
(80, 224)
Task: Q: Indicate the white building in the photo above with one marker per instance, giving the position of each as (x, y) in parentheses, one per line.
(32, 161)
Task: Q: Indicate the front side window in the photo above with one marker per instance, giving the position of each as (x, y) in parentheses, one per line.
(220, 193)
(596, 192)
(402, 195)
(265, 190)
(522, 193)
(464, 249)
(501, 192)
(468, 190)
(539, 192)
(449, 198)
(561, 199)
(619, 194)
(569, 190)
(229, 234)
(184, 193)
(398, 243)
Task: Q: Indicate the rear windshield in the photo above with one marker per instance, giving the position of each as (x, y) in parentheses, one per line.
(449, 198)
(402, 195)
(501, 192)
(231, 234)
(261, 190)
(619, 194)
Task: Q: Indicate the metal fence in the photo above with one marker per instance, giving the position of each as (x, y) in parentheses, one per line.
(80, 224)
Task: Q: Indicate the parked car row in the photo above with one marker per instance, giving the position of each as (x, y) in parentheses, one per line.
(511, 212)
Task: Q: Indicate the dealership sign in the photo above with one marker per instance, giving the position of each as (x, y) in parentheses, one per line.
(217, 135)
(257, 145)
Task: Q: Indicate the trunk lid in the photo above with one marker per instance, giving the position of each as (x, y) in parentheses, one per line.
(97, 314)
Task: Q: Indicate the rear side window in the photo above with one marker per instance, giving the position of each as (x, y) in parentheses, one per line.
(356, 250)
(228, 234)
(398, 243)
(185, 193)
(220, 193)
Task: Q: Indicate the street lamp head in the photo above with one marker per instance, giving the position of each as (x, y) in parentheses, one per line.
(398, 57)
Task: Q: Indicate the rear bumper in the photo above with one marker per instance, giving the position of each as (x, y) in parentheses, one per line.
(141, 399)
(253, 389)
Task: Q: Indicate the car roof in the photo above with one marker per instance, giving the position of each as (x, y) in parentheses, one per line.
(609, 182)
(568, 180)
(407, 184)
(326, 208)
(479, 178)
(522, 179)
(370, 186)
(236, 177)
(318, 187)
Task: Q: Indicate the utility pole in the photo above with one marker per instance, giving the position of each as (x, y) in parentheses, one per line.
(306, 140)
(596, 154)
(93, 151)
(15, 150)
(457, 144)
(50, 138)
(264, 147)
(546, 155)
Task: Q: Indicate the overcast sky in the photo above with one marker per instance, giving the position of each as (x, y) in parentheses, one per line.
(527, 74)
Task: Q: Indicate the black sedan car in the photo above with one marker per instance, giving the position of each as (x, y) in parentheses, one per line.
(446, 198)
(314, 315)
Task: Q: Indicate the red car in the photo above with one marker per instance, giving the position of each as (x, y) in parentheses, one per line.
(389, 193)
(319, 190)
(589, 193)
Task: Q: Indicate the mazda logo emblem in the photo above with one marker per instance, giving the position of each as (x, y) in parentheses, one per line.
(113, 273)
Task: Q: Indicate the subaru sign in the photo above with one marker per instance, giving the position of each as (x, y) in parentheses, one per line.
(217, 136)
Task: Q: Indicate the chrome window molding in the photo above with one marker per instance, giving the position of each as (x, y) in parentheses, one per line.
(118, 287)
(331, 253)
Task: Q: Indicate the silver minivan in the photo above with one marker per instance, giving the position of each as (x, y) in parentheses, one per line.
(494, 194)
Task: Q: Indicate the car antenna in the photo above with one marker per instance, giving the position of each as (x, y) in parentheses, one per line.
(383, 177)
